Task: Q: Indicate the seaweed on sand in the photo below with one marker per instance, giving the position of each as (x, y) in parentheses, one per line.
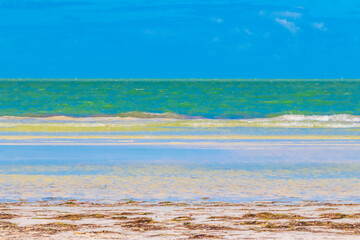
(193, 226)
(204, 236)
(134, 213)
(182, 219)
(339, 215)
(303, 225)
(224, 218)
(6, 216)
(271, 216)
(142, 224)
(75, 217)
(8, 225)
(52, 228)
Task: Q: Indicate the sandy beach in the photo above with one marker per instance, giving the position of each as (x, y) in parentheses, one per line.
(128, 219)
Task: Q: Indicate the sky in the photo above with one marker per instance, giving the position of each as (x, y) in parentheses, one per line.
(179, 39)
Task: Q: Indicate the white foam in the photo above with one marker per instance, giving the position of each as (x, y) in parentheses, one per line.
(166, 120)
(321, 118)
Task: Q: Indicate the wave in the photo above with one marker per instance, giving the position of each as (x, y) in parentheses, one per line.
(285, 121)
(150, 115)
(138, 115)
(320, 118)
(98, 117)
(142, 121)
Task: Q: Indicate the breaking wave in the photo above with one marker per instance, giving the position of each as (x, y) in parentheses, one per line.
(161, 120)
(320, 118)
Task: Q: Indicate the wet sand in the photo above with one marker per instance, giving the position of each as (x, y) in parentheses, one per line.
(127, 219)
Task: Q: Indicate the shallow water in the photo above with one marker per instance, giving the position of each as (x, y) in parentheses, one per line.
(298, 170)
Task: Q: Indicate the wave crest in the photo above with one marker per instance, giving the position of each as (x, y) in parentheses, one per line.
(320, 118)
(99, 117)
(138, 114)
(146, 120)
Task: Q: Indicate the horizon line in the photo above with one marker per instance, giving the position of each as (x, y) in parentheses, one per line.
(179, 79)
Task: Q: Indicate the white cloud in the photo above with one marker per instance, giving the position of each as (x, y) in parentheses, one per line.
(215, 39)
(248, 32)
(288, 25)
(245, 30)
(319, 25)
(244, 46)
(149, 32)
(288, 14)
(276, 56)
(217, 20)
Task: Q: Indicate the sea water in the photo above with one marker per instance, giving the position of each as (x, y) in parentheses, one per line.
(229, 140)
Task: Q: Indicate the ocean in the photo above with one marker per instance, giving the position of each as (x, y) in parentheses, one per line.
(226, 140)
(210, 99)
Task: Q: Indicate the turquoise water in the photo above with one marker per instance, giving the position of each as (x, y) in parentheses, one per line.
(207, 99)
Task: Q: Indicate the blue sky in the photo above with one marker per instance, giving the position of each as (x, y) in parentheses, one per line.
(180, 39)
